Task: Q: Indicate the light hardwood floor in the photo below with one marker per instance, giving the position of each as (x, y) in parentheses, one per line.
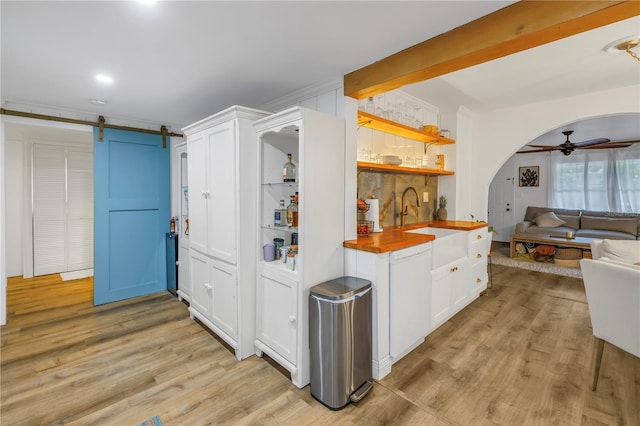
(520, 355)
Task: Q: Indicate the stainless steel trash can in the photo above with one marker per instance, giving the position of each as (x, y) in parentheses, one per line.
(340, 341)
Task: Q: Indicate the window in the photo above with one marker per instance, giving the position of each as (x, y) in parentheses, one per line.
(597, 179)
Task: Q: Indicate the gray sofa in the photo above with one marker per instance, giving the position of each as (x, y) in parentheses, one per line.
(584, 223)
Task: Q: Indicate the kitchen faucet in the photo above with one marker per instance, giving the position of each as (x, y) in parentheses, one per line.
(403, 211)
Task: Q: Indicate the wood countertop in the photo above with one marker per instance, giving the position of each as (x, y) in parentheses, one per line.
(395, 237)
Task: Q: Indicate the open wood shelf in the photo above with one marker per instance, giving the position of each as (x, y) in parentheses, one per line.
(378, 123)
(399, 169)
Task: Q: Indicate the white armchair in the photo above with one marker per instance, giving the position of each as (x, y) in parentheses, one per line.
(612, 285)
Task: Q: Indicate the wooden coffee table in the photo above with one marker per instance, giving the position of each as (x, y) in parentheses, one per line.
(551, 240)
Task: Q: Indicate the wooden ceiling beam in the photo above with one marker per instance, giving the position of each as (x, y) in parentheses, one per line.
(517, 27)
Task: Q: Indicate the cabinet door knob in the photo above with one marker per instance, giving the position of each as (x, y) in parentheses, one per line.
(478, 256)
(479, 236)
(455, 268)
(292, 319)
(478, 280)
(207, 286)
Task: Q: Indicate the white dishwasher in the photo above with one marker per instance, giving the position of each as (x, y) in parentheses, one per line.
(409, 306)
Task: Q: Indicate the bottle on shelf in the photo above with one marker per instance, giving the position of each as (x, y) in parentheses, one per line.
(289, 170)
(280, 215)
(292, 212)
(370, 106)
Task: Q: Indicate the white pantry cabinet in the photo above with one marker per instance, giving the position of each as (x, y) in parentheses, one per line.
(184, 282)
(222, 155)
(316, 142)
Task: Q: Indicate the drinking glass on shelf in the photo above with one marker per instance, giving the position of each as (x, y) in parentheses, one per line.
(417, 123)
(379, 105)
(408, 116)
(397, 113)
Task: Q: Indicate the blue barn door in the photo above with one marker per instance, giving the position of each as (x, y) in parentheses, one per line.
(132, 199)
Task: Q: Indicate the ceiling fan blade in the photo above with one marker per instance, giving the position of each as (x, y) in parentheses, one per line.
(545, 147)
(629, 141)
(533, 150)
(591, 142)
(608, 146)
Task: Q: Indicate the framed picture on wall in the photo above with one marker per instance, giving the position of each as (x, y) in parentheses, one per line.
(529, 176)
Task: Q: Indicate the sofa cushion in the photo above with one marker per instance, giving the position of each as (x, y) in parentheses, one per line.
(548, 220)
(559, 230)
(532, 212)
(570, 221)
(621, 251)
(602, 234)
(620, 224)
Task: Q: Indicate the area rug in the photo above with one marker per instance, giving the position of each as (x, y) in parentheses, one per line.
(500, 256)
(153, 421)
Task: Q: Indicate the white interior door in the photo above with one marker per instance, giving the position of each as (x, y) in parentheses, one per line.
(501, 204)
(79, 210)
(49, 209)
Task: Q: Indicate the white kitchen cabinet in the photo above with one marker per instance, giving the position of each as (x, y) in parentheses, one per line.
(201, 285)
(453, 285)
(182, 227)
(316, 142)
(278, 316)
(184, 281)
(450, 290)
(212, 178)
(222, 157)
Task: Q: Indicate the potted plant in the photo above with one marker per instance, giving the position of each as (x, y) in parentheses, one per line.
(441, 213)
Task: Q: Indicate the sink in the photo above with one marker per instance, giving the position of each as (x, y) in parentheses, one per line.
(438, 232)
(449, 245)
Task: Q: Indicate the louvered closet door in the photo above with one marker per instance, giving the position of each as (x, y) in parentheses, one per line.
(62, 209)
(49, 209)
(79, 210)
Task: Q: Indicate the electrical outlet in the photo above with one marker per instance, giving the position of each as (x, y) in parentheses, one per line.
(425, 197)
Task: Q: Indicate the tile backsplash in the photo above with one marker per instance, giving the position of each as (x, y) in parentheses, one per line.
(388, 188)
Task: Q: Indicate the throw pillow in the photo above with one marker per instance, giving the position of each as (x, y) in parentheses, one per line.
(625, 251)
(548, 220)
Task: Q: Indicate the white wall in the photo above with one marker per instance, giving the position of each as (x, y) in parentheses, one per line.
(14, 192)
(499, 134)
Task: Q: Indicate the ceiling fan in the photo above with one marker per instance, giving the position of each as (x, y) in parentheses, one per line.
(568, 147)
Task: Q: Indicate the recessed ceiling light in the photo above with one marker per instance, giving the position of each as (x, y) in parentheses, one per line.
(147, 2)
(98, 101)
(104, 78)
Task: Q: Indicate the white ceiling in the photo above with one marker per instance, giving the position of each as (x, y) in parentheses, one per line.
(177, 62)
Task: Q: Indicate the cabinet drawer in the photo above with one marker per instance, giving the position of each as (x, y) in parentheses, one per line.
(479, 277)
(477, 235)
